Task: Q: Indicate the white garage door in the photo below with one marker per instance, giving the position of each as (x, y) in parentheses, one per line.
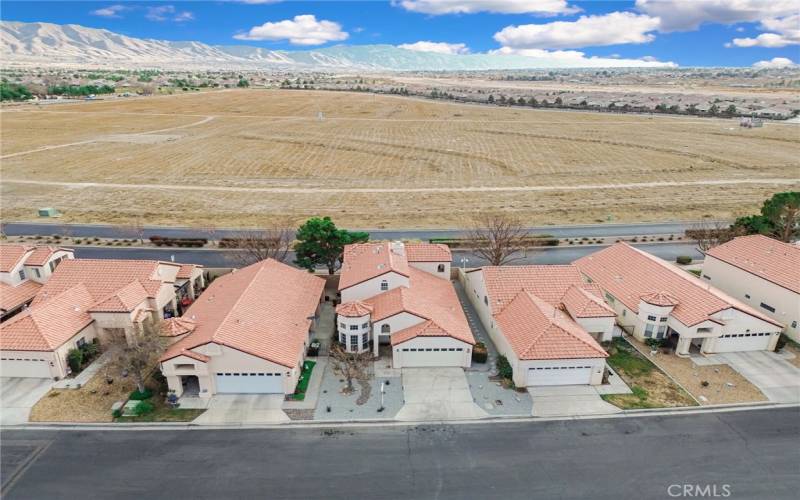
(559, 375)
(25, 367)
(250, 383)
(743, 342)
(412, 357)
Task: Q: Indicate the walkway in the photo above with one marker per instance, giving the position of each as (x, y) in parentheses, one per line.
(83, 377)
(437, 394)
(478, 331)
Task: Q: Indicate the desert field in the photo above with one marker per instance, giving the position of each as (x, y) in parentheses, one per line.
(245, 157)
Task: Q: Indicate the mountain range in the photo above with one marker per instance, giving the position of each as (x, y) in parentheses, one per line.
(43, 44)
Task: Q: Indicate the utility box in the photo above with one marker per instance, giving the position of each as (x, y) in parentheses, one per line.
(48, 212)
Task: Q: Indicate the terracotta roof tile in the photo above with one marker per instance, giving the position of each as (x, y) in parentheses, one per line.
(548, 282)
(186, 270)
(364, 261)
(11, 255)
(662, 299)
(628, 273)
(428, 252)
(354, 309)
(123, 300)
(47, 326)
(765, 257)
(262, 309)
(11, 297)
(42, 254)
(427, 328)
(583, 301)
(175, 327)
(537, 330)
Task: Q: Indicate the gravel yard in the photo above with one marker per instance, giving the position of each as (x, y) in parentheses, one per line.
(90, 403)
(495, 399)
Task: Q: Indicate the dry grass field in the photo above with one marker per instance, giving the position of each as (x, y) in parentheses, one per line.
(242, 157)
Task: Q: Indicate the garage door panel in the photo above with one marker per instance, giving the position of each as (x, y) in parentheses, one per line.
(32, 367)
(743, 342)
(249, 383)
(560, 375)
(431, 357)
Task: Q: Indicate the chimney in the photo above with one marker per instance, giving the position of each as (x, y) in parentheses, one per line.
(398, 248)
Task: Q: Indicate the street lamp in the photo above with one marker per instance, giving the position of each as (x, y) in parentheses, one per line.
(464, 261)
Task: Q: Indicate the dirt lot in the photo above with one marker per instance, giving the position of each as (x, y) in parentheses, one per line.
(90, 403)
(237, 157)
(717, 390)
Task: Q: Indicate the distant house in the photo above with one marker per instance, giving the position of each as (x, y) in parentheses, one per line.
(399, 295)
(23, 271)
(545, 320)
(762, 272)
(656, 300)
(247, 333)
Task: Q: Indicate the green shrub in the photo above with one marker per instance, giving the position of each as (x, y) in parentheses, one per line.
(683, 260)
(143, 408)
(136, 395)
(75, 359)
(116, 413)
(89, 350)
(504, 367)
(479, 353)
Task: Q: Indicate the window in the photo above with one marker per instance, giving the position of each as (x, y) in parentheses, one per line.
(794, 324)
(767, 307)
(354, 342)
(22, 274)
(384, 285)
(486, 299)
(707, 277)
(663, 320)
(81, 342)
(648, 330)
(747, 295)
(342, 325)
(365, 341)
(342, 338)
(385, 328)
(52, 266)
(440, 268)
(624, 311)
(610, 298)
(662, 330)
(184, 366)
(37, 272)
(651, 318)
(365, 325)
(354, 327)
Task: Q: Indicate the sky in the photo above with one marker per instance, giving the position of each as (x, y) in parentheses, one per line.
(760, 33)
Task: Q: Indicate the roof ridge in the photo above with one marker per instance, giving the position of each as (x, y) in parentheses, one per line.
(554, 322)
(261, 265)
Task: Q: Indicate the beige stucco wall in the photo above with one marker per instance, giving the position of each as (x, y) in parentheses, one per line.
(739, 284)
(372, 287)
(602, 326)
(433, 268)
(396, 323)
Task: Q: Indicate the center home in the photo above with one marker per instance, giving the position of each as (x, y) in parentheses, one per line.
(399, 294)
(247, 333)
(545, 320)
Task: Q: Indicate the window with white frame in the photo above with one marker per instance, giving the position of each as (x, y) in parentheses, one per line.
(384, 285)
(385, 328)
(354, 327)
(22, 274)
(365, 325)
(440, 268)
(37, 272)
(662, 331)
(648, 330)
(663, 319)
(354, 342)
(651, 318)
(365, 341)
(342, 338)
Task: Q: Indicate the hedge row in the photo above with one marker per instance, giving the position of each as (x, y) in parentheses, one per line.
(164, 241)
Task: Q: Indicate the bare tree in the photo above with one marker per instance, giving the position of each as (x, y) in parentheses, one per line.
(137, 354)
(351, 365)
(498, 238)
(786, 222)
(708, 234)
(274, 242)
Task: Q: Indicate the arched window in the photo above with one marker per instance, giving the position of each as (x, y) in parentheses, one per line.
(384, 285)
(385, 328)
(440, 268)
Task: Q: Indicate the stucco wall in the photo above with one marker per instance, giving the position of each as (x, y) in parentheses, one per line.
(434, 342)
(433, 268)
(372, 287)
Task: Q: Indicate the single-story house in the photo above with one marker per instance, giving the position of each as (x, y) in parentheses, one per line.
(247, 333)
(762, 272)
(400, 295)
(654, 299)
(545, 320)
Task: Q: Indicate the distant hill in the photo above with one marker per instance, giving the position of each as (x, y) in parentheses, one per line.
(70, 44)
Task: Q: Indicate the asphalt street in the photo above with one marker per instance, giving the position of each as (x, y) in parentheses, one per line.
(109, 231)
(749, 454)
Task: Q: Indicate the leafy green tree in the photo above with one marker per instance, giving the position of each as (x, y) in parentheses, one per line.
(320, 242)
(491, 99)
(243, 83)
(532, 102)
(782, 211)
(713, 110)
(730, 110)
(13, 92)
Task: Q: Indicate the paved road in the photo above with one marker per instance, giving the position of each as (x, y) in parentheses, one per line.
(107, 231)
(226, 258)
(752, 454)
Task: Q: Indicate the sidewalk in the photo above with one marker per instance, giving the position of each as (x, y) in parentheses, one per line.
(83, 377)
(478, 331)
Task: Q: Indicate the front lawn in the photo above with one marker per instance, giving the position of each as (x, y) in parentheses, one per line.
(302, 383)
(651, 387)
(163, 412)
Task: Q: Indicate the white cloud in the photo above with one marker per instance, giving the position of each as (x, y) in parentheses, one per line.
(775, 62)
(184, 16)
(168, 13)
(577, 59)
(256, 2)
(110, 11)
(687, 15)
(439, 7)
(302, 30)
(608, 29)
(782, 32)
(438, 47)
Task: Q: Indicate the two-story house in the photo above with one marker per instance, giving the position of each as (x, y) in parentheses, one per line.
(23, 271)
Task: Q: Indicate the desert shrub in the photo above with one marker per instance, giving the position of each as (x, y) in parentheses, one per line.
(504, 367)
(136, 395)
(116, 413)
(143, 408)
(75, 359)
(683, 260)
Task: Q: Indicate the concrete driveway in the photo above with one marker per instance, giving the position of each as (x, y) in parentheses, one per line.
(568, 400)
(778, 379)
(437, 394)
(224, 409)
(17, 397)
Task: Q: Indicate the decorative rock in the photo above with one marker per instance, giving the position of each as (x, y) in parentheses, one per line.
(729, 384)
(703, 399)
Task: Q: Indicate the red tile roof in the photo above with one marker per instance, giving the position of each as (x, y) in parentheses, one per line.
(628, 273)
(765, 257)
(354, 309)
(103, 278)
(186, 270)
(11, 255)
(550, 283)
(41, 255)
(427, 328)
(47, 326)
(661, 299)
(262, 309)
(428, 252)
(123, 300)
(175, 327)
(583, 301)
(364, 261)
(427, 297)
(537, 330)
(11, 297)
